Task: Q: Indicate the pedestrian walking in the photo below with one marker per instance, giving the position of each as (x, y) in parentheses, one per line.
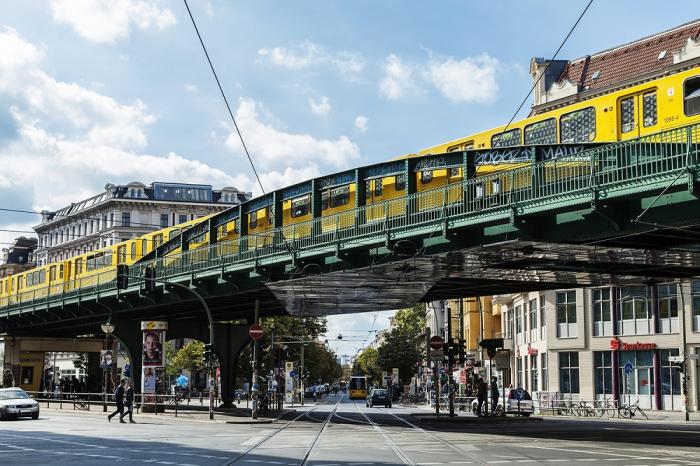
(119, 399)
(480, 395)
(494, 394)
(129, 402)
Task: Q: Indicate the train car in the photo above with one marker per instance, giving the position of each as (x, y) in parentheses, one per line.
(357, 387)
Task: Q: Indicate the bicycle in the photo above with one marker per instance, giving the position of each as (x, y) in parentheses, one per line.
(81, 403)
(629, 411)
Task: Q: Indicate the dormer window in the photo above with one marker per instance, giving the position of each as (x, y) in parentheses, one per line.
(662, 55)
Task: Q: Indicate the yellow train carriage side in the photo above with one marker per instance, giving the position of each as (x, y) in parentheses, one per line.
(337, 204)
(260, 222)
(297, 217)
(382, 197)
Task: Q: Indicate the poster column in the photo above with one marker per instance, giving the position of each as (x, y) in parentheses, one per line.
(289, 381)
(153, 359)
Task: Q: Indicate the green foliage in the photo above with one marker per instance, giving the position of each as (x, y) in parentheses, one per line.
(410, 321)
(190, 357)
(367, 363)
(81, 362)
(403, 346)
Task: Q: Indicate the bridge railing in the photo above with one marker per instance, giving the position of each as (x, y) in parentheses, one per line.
(656, 157)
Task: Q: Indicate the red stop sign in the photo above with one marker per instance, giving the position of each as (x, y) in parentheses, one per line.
(436, 342)
(255, 331)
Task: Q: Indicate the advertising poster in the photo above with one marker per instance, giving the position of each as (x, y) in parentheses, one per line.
(153, 340)
(288, 381)
(149, 381)
(106, 359)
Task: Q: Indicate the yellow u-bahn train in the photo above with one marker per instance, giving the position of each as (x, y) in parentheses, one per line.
(642, 106)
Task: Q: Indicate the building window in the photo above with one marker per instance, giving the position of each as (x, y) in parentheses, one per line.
(691, 96)
(533, 373)
(634, 311)
(668, 307)
(670, 377)
(164, 220)
(578, 126)
(695, 288)
(543, 318)
(27, 375)
(182, 218)
(542, 132)
(545, 376)
(566, 314)
(509, 322)
(126, 219)
(533, 319)
(518, 325)
(518, 372)
(602, 361)
(568, 373)
(602, 317)
(649, 109)
(641, 380)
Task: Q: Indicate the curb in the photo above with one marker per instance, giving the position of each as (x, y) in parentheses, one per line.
(474, 420)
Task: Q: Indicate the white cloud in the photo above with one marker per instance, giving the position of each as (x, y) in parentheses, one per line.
(355, 327)
(361, 123)
(321, 107)
(191, 87)
(106, 21)
(398, 81)
(272, 147)
(308, 54)
(70, 140)
(472, 79)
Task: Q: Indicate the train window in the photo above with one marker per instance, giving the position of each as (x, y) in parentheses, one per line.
(577, 126)
(399, 182)
(649, 109)
(542, 132)
(507, 139)
(469, 146)
(144, 246)
(301, 206)
(253, 220)
(495, 186)
(78, 268)
(121, 254)
(426, 176)
(340, 196)
(89, 265)
(174, 233)
(627, 114)
(368, 188)
(60, 272)
(691, 96)
(158, 240)
(133, 250)
(479, 190)
(324, 199)
(454, 172)
(52, 273)
(42, 276)
(378, 187)
(454, 148)
(268, 214)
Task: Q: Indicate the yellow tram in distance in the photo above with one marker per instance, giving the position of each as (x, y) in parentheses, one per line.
(357, 387)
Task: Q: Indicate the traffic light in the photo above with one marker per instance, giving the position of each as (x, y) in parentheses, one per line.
(462, 351)
(122, 276)
(150, 275)
(208, 352)
(491, 345)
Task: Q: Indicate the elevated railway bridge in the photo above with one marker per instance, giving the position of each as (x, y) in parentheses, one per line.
(564, 216)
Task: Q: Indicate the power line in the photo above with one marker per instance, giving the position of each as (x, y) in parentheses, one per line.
(228, 107)
(547, 67)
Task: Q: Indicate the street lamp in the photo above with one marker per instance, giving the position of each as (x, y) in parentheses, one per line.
(107, 328)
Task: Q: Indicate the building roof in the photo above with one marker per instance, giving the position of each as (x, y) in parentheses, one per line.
(630, 60)
(18, 252)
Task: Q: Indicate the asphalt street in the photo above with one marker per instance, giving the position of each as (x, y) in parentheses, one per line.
(339, 432)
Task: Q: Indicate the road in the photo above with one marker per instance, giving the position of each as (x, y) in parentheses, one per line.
(341, 432)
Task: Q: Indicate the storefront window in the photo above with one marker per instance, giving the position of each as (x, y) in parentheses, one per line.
(568, 373)
(641, 380)
(603, 372)
(670, 377)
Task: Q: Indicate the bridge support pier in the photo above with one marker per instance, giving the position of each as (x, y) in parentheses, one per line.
(229, 341)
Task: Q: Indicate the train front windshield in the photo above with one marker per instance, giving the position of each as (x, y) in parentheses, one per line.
(358, 387)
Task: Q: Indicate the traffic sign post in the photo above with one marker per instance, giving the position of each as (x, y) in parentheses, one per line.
(255, 332)
(628, 370)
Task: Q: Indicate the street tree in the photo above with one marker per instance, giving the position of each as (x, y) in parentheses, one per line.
(367, 363)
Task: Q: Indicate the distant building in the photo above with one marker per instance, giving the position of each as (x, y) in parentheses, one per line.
(18, 257)
(123, 212)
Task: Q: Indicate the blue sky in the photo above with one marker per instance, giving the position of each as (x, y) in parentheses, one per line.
(110, 91)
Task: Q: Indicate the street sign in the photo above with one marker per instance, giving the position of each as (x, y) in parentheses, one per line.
(628, 367)
(436, 343)
(293, 373)
(437, 355)
(691, 356)
(255, 331)
(675, 359)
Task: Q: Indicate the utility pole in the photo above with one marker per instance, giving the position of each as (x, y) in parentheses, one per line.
(684, 337)
(301, 374)
(254, 411)
(481, 338)
(450, 361)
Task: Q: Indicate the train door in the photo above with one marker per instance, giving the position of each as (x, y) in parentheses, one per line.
(638, 114)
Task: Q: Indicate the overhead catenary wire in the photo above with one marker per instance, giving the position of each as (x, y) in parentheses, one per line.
(228, 107)
(547, 67)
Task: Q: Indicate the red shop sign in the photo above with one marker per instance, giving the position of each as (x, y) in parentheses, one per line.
(616, 344)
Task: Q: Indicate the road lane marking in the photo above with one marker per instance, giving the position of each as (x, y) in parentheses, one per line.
(636, 457)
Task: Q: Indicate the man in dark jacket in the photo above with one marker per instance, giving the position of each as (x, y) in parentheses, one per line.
(119, 399)
(481, 390)
(494, 394)
(129, 402)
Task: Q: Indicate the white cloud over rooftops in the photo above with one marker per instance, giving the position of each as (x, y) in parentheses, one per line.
(361, 123)
(398, 81)
(106, 21)
(321, 107)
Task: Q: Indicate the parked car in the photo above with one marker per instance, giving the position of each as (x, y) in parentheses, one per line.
(517, 401)
(14, 402)
(379, 396)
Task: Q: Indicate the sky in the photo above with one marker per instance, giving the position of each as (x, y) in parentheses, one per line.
(111, 91)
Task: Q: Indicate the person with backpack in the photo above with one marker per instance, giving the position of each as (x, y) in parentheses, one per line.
(119, 399)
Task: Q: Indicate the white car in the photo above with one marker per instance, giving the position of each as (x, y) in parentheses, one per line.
(14, 402)
(518, 401)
